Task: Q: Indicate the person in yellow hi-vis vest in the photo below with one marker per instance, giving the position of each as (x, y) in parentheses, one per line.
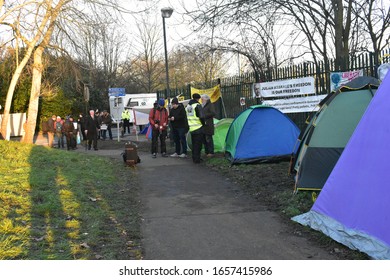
(195, 119)
(126, 121)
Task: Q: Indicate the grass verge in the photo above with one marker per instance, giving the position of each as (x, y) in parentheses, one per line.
(64, 205)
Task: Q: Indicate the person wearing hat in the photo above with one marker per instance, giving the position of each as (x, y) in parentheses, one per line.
(195, 119)
(178, 119)
(158, 119)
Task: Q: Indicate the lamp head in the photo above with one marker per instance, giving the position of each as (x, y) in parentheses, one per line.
(166, 12)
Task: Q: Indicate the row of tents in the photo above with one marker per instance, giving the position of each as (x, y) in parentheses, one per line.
(263, 134)
(353, 206)
(342, 152)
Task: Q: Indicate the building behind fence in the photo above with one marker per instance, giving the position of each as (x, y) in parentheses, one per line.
(233, 88)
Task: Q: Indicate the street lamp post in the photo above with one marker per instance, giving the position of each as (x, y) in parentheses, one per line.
(166, 13)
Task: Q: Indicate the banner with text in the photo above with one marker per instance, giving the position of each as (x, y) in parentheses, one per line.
(296, 105)
(338, 79)
(214, 92)
(284, 88)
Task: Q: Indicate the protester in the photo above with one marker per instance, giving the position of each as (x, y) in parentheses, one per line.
(51, 130)
(195, 121)
(179, 123)
(126, 121)
(98, 116)
(158, 119)
(208, 128)
(59, 131)
(81, 126)
(92, 129)
(70, 133)
(107, 121)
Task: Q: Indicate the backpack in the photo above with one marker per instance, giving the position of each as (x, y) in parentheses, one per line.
(58, 126)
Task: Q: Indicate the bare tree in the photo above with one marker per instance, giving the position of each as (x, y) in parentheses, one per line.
(30, 45)
(147, 68)
(47, 14)
(324, 29)
(376, 22)
(250, 23)
(203, 63)
(52, 12)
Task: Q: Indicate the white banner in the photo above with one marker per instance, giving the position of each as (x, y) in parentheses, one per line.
(296, 105)
(284, 88)
(338, 79)
(141, 115)
(15, 124)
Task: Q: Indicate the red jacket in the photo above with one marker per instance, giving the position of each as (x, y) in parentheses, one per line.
(159, 116)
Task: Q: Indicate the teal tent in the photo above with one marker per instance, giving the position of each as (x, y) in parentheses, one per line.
(328, 131)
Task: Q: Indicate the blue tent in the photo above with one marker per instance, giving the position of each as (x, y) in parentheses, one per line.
(353, 207)
(261, 134)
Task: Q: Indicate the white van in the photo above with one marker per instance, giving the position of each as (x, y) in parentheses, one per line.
(138, 101)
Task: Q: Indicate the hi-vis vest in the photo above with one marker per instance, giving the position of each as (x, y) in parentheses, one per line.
(193, 121)
(126, 115)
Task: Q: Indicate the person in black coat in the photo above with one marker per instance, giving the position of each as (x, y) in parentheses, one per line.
(178, 120)
(70, 134)
(107, 120)
(208, 127)
(92, 129)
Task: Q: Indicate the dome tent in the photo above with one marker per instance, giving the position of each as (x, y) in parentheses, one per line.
(260, 134)
(221, 129)
(327, 133)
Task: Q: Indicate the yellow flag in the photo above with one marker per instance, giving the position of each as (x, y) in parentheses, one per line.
(214, 93)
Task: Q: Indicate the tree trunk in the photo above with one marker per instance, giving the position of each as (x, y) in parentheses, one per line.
(37, 74)
(342, 30)
(34, 96)
(11, 90)
(338, 30)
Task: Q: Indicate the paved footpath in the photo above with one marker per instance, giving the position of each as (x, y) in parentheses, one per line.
(192, 213)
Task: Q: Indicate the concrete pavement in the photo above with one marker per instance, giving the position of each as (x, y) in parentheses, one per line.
(192, 213)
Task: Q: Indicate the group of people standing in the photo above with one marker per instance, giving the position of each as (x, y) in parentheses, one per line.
(197, 118)
(63, 128)
(88, 128)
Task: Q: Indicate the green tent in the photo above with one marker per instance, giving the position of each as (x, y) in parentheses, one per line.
(328, 132)
(221, 129)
